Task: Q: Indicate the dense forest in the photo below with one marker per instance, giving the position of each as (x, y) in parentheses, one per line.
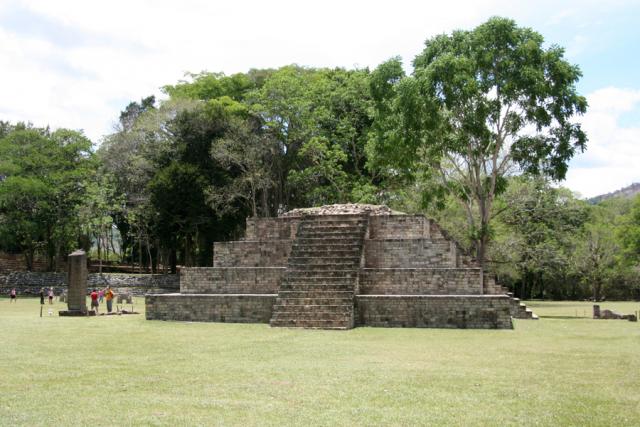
(478, 137)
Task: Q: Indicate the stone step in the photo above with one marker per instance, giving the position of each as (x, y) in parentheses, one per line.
(323, 299)
(311, 261)
(316, 280)
(311, 315)
(317, 287)
(356, 226)
(329, 240)
(334, 221)
(314, 293)
(324, 258)
(323, 247)
(313, 324)
(323, 264)
(319, 244)
(325, 309)
(331, 253)
(344, 234)
(294, 273)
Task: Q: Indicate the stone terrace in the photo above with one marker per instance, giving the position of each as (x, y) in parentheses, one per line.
(340, 266)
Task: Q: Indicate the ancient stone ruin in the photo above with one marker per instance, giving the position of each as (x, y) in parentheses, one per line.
(77, 292)
(337, 267)
(608, 314)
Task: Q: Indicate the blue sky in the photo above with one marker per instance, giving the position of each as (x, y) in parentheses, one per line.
(76, 64)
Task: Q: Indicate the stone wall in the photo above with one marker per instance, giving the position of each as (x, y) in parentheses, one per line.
(398, 227)
(411, 281)
(29, 282)
(432, 311)
(15, 262)
(409, 253)
(251, 253)
(247, 308)
(230, 280)
(271, 228)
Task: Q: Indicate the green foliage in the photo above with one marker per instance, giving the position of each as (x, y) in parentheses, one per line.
(535, 238)
(46, 174)
(208, 86)
(464, 116)
(321, 119)
(630, 234)
(547, 244)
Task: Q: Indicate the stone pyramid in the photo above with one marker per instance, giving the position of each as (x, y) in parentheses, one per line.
(337, 267)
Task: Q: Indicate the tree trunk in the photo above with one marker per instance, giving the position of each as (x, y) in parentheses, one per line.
(173, 261)
(139, 254)
(99, 243)
(149, 254)
(58, 255)
(265, 205)
(28, 258)
(597, 289)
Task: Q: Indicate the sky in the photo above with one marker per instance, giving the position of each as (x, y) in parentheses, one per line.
(77, 64)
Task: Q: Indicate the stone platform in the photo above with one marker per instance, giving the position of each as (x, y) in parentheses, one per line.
(339, 267)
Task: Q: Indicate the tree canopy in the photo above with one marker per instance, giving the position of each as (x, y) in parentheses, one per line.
(478, 104)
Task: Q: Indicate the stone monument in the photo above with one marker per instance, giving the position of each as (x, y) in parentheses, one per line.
(77, 290)
(337, 267)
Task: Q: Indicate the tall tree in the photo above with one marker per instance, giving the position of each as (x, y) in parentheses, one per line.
(45, 179)
(478, 104)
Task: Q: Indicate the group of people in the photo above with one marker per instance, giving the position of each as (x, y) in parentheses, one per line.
(97, 297)
(49, 294)
(103, 294)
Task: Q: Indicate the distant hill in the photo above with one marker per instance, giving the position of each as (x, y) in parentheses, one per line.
(627, 192)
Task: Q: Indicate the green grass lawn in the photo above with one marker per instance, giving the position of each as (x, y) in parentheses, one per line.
(123, 370)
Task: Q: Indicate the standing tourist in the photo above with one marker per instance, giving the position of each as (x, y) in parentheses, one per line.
(12, 295)
(50, 295)
(101, 296)
(41, 296)
(108, 294)
(94, 301)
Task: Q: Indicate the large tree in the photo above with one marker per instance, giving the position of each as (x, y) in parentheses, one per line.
(479, 105)
(45, 177)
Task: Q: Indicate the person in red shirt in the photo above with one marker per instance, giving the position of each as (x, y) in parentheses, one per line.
(94, 300)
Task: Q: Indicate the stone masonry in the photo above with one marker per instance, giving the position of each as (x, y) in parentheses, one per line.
(76, 297)
(340, 266)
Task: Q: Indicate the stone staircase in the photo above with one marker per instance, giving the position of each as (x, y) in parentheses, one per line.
(322, 274)
(519, 309)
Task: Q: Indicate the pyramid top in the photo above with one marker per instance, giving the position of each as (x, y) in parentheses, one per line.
(345, 209)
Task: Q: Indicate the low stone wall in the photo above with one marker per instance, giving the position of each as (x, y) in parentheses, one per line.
(29, 282)
(420, 281)
(232, 308)
(230, 280)
(136, 284)
(432, 311)
(408, 253)
(251, 253)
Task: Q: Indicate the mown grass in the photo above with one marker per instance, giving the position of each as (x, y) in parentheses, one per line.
(124, 370)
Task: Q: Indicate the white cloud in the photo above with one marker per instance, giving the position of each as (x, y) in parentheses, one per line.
(77, 63)
(612, 158)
